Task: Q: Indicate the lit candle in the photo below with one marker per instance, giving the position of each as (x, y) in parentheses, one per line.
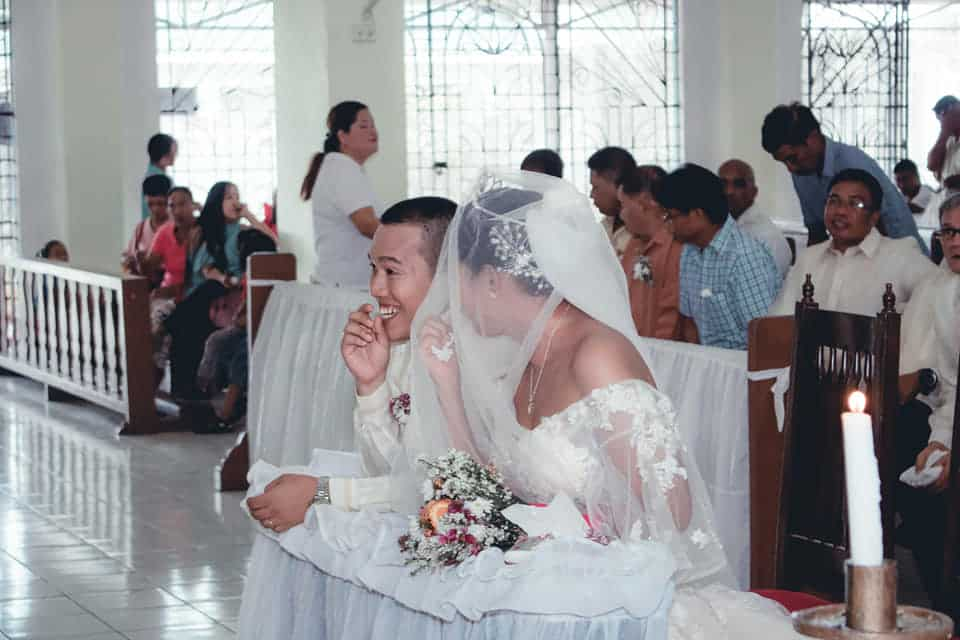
(863, 485)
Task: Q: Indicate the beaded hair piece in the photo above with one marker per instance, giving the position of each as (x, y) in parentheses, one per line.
(511, 248)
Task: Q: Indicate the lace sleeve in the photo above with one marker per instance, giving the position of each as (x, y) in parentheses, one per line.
(650, 489)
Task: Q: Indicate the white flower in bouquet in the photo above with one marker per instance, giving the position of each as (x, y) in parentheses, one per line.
(480, 507)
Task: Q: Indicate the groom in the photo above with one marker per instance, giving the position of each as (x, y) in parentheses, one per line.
(403, 259)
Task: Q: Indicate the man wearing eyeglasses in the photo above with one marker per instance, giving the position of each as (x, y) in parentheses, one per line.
(929, 348)
(740, 187)
(727, 277)
(851, 269)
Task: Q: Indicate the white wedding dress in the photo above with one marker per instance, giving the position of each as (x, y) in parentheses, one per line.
(522, 246)
(560, 455)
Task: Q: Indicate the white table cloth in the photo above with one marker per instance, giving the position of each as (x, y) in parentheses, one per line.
(287, 598)
(708, 385)
(302, 398)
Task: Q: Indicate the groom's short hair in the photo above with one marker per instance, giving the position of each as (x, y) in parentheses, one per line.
(432, 213)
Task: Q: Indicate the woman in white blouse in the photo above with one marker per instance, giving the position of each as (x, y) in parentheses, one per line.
(346, 211)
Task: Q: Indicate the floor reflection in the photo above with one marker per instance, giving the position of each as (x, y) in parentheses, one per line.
(112, 537)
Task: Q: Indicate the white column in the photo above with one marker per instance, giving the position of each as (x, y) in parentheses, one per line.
(86, 103)
(39, 122)
(303, 98)
(317, 65)
(373, 73)
(740, 58)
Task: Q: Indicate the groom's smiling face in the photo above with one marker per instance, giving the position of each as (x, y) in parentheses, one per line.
(400, 276)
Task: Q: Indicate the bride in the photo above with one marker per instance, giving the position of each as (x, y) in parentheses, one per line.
(526, 342)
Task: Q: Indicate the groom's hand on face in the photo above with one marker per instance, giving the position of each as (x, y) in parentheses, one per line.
(284, 502)
(366, 349)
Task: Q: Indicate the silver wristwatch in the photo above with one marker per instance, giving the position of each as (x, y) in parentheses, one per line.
(322, 496)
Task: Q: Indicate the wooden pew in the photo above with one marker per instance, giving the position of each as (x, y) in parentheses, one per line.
(81, 332)
(263, 271)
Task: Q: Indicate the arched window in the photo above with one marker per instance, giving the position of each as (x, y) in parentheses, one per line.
(215, 69)
(855, 73)
(490, 80)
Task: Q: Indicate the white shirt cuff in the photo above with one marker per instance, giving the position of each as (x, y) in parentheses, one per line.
(376, 402)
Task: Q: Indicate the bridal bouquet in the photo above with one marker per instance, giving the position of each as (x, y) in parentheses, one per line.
(461, 515)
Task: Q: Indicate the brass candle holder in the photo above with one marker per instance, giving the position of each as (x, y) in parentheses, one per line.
(871, 611)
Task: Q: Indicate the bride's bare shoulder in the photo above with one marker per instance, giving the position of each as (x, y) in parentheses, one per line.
(604, 356)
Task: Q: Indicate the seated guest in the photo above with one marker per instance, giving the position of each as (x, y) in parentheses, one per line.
(225, 355)
(850, 271)
(916, 194)
(166, 263)
(54, 250)
(376, 351)
(213, 270)
(792, 135)
(168, 252)
(545, 161)
(155, 189)
(727, 278)
(929, 347)
(740, 187)
(651, 259)
(607, 168)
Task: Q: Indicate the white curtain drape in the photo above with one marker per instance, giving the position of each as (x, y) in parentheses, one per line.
(301, 393)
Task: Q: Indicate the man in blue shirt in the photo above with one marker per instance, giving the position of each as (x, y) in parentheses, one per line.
(791, 134)
(727, 278)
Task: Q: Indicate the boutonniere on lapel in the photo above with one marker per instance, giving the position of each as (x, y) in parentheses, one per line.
(400, 409)
(642, 270)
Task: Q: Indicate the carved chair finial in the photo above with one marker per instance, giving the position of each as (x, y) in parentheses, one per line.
(807, 299)
(889, 300)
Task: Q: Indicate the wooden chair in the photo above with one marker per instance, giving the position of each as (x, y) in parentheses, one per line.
(833, 354)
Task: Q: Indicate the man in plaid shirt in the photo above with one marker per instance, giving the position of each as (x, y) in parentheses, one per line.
(727, 278)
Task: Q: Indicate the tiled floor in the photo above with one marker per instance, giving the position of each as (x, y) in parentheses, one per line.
(107, 537)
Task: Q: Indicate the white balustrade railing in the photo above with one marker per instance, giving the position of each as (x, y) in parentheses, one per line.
(84, 332)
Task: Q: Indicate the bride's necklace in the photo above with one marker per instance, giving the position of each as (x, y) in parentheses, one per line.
(535, 384)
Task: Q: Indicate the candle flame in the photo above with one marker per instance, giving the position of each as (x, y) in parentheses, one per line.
(857, 402)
